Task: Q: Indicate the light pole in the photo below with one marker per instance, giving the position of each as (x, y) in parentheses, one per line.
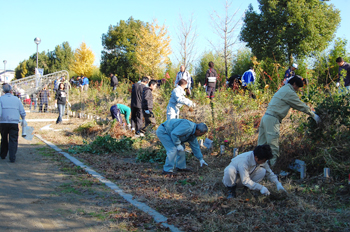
(5, 61)
(37, 40)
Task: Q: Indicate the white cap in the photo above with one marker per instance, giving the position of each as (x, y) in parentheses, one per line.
(295, 66)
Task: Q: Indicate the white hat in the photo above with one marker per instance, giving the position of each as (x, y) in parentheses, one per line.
(295, 66)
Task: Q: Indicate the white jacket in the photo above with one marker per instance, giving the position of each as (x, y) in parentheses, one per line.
(10, 109)
(178, 99)
(183, 75)
(245, 165)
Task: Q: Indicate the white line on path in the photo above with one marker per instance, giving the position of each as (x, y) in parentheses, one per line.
(128, 197)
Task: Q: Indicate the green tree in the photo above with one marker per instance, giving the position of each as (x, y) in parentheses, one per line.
(202, 66)
(242, 60)
(61, 58)
(118, 55)
(326, 68)
(289, 28)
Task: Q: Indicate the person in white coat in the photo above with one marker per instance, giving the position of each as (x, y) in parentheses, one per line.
(177, 100)
(248, 169)
(184, 74)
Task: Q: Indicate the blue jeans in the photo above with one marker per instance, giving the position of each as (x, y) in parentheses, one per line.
(35, 104)
(61, 108)
(173, 156)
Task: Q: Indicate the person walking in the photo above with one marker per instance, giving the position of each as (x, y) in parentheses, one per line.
(119, 109)
(136, 105)
(248, 169)
(60, 102)
(114, 81)
(147, 105)
(44, 95)
(284, 99)
(173, 134)
(184, 74)
(11, 109)
(177, 100)
(210, 80)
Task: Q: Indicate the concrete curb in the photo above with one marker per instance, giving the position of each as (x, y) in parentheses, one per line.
(159, 218)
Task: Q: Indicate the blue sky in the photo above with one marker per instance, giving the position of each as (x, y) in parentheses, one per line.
(76, 21)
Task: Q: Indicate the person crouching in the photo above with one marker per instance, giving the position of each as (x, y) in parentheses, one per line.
(248, 169)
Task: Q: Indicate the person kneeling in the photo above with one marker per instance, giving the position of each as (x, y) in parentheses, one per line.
(248, 169)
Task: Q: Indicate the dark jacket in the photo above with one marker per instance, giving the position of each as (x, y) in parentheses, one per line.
(114, 81)
(136, 95)
(147, 99)
(61, 96)
(210, 73)
(345, 67)
(44, 96)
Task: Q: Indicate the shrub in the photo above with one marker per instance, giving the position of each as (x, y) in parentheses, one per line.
(151, 155)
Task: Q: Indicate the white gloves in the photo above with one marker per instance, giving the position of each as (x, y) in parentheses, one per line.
(317, 118)
(202, 162)
(180, 148)
(204, 86)
(193, 105)
(264, 191)
(337, 84)
(55, 105)
(280, 187)
(129, 126)
(24, 123)
(69, 104)
(147, 112)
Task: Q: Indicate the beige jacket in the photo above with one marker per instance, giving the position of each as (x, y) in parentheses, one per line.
(245, 165)
(283, 100)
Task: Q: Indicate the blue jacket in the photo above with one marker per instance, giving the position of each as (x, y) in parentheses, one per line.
(248, 77)
(181, 131)
(85, 81)
(10, 109)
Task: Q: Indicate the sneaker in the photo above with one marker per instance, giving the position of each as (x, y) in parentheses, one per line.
(140, 133)
(169, 174)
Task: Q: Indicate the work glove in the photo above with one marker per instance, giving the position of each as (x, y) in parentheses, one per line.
(202, 162)
(317, 118)
(24, 123)
(180, 148)
(69, 104)
(264, 191)
(55, 105)
(204, 86)
(280, 187)
(337, 84)
(147, 112)
(129, 126)
(193, 105)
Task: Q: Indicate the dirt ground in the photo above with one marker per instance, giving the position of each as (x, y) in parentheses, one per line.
(42, 191)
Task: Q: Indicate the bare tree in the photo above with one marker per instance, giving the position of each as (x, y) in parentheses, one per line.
(187, 34)
(225, 27)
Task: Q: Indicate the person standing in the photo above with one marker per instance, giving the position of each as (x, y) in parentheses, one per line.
(33, 99)
(248, 77)
(147, 105)
(117, 110)
(114, 81)
(11, 109)
(177, 100)
(284, 99)
(173, 134)
(248, 169)
(136, 105)
(60, 102)
(343, 66)
(66, 83)
(85, 83)
(44, 95)
(184, 74)
(210, 80)
(290, 73)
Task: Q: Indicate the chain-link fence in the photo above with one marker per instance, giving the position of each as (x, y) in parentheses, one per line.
(37, 93)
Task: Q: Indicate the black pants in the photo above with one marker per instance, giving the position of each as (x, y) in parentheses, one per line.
(149, 121)
(115, 112)
(41, 107)
(210, 92)
(136, 118)
(9, 140)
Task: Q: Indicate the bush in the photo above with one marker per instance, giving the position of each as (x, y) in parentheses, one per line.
(151, 155)
(104, 144)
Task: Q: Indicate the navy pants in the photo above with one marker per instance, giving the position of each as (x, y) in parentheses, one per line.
(9, 140)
